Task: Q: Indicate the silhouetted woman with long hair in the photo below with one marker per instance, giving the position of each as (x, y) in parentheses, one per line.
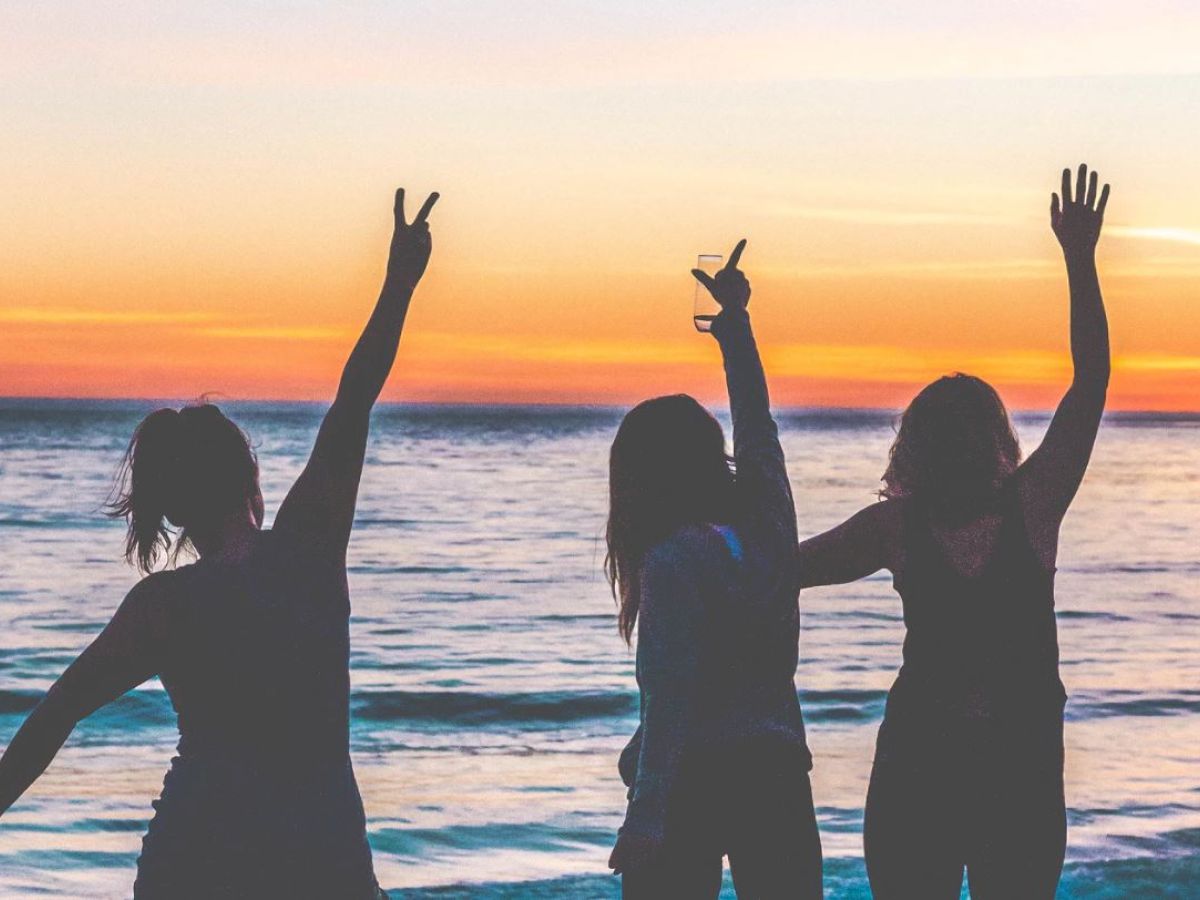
(702, 558)
(968, 766)
(251, 641)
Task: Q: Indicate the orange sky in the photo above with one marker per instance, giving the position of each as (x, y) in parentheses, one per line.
(198, 201)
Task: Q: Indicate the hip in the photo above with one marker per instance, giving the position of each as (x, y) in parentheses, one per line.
(954, 740)
(221, 808)
(779, 736)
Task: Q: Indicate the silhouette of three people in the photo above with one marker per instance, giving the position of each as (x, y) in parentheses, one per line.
(251, 640)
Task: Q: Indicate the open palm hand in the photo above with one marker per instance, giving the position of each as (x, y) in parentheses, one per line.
(1076, 222)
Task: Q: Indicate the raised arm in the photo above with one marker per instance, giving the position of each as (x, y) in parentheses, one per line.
(1052, 474)
(321, 502)
(121, 657)
(762, 479)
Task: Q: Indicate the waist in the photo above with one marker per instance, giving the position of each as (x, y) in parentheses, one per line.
(779, 726)
(953, 694)
(295, 748)
(259, 772)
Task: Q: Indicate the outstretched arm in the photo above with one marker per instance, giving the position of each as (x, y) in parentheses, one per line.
(860, 546)
(321, 503)
(1052, 474)
(121, 657)
(762, 480)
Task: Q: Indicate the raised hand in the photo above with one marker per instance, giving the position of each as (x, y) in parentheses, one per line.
(729, 286)
(1076, 222)
(411, 244)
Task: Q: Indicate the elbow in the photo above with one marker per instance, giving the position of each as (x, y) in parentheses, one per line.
(57, 714)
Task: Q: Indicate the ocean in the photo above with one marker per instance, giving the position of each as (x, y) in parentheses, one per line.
(492, 694)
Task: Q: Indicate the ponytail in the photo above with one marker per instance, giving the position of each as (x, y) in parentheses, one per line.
(182, 468)
(141, 495)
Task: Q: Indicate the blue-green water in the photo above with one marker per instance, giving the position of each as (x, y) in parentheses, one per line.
(491, 693)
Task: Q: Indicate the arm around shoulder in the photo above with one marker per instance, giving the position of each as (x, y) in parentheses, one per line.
(860, 546)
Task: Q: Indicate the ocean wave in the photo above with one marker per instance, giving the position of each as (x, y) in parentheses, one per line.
(545, 837)
(467, 708)
(1092, 614)
(845, 878)
(1132, 703)
(843, 705)
(18, 701)
(472, 709)
(137, 709)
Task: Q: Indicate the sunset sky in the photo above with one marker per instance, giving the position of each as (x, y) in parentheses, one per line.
(196, 197)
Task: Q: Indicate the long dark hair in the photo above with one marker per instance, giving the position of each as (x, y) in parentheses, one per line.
(954, 447)
(667, 468)
(187, 468)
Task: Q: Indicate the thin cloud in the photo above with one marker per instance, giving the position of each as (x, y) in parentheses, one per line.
(1172, 235)
(888, 217)
(25, 315)
(277, 334)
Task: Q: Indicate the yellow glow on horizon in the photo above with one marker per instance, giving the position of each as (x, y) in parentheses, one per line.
(198, 200)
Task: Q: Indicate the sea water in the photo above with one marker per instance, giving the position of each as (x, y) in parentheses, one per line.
(492, 694)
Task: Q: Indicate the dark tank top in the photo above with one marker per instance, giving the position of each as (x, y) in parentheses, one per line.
(261, 799)
(980, 650)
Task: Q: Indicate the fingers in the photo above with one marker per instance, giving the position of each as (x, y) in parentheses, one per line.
(736, 256)
(1103, 201)
(705, 279)
(423, 214)
(1055, 209)
(1081, 184)
(1091, 194)
(1066, 186)
(398, 209)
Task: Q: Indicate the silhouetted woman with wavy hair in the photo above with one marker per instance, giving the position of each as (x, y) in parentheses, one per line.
(702, 559)
(251, 641)
(968, 768)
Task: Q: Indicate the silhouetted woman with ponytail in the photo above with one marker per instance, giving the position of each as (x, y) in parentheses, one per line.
(251, 641)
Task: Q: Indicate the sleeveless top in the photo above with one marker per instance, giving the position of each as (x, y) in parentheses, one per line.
(261, 799)
(979, 649)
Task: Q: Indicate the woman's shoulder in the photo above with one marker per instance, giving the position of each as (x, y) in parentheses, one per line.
(161, 585)
(299, 549)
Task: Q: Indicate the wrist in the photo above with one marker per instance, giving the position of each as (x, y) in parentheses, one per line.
(1079, 255)
(397, 284)
(731, 318)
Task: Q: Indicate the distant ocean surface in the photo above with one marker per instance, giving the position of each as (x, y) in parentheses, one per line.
(491, 693)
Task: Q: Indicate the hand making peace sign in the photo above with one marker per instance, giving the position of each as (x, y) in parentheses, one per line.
(411, 244)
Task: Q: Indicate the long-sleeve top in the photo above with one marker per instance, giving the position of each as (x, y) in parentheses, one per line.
(718, 620)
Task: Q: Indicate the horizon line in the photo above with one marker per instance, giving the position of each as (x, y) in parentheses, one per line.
(29, 399)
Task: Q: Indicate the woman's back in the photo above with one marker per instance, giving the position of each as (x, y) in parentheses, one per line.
(256, 663)
(258, 651)
(251, 642)
(978, 607)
